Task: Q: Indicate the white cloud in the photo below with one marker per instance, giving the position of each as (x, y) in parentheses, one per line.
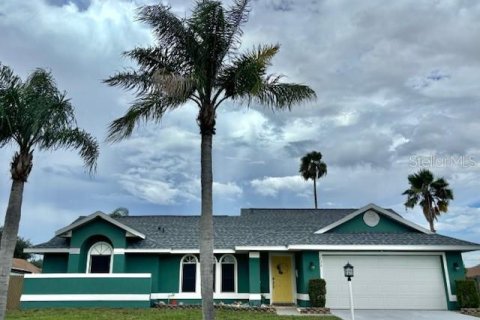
(154, 191)
(227, 190)
(272, 186)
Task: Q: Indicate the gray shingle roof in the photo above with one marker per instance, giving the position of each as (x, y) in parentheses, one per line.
(262, 227)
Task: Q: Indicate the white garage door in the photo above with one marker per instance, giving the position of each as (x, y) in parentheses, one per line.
(386, 282)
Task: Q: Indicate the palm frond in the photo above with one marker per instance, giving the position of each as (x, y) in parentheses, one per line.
(245, 75)
(174, 85)
(168, 28)
(7, 78)
(162, 58)
(152, 106)
(283, 95)
(208, 25)
(235, 16)
(77, 139)
(138, 81)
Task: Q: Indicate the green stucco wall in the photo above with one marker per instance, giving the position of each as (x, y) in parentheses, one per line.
(86, 286)
(385, 225)
(84, 304)
(452, 258)
(55, 263)
(139, 263)
(254, 274)
(97, 227)
(243, 275)
(169, 275)
(303, 261)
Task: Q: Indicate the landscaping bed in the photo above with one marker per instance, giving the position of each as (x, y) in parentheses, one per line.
(235, 307)
(314, 310)
(146, 314)
(471, 312)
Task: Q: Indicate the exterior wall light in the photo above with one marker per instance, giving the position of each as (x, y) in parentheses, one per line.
(311, 265)
(456, 266)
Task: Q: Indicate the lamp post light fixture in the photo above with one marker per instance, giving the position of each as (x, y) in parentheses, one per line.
(348, 271)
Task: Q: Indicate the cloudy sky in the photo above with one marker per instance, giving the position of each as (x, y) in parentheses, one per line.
(398, 88)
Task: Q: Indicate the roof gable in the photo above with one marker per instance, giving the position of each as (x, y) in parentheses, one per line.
(383, 221)
(67, 231)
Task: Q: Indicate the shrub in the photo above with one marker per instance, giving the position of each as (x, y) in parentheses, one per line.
(317, 291)
(467, 294)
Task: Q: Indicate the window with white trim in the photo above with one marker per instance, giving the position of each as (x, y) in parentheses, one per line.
(228, 273)
(100, 258)
(189, 273)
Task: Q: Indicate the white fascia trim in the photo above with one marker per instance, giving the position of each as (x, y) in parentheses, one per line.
(260, 248)
(118, 251)
(303, 296)
(451, 296)
(105, 217)
(254, 254)
(193, 295)
(85, 297)
(185, 251)
(52, 250)
(255, 297)
(87, 275)
(378, 209)
(384, 247)
(147, 251)
(176, 251)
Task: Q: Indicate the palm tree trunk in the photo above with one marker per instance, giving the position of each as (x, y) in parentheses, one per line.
(9, 240)
(431, 215)
(206, 228)
(315, 192)
(430, 222)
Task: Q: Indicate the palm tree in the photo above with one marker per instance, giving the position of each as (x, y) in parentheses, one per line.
(433, 195)
(119, 212)
(312, 167)
(197, 60)
(33, 114)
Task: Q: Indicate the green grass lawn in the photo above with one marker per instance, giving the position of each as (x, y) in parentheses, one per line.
(144, 314)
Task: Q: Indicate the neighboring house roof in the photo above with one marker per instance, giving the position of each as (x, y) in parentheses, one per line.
(473, 272)
(23, 266)
(272, 229)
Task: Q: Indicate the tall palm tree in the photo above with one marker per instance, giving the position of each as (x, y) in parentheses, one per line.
(433, 195)
(197, 60)
(33, 114)
(312, 167)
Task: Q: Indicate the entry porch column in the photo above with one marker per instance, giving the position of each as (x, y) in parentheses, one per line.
(255, 297)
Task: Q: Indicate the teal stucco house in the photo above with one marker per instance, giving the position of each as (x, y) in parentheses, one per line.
(263, 256)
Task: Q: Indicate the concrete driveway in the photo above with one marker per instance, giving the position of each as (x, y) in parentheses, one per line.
(401, 315)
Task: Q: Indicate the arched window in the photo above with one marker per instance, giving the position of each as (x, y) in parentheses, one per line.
(228, 273)
(100, 258)
(189, 273)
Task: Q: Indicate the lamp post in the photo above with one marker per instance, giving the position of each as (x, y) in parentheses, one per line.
(348, 271)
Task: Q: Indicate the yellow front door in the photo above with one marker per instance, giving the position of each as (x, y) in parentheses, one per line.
(282, 279)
